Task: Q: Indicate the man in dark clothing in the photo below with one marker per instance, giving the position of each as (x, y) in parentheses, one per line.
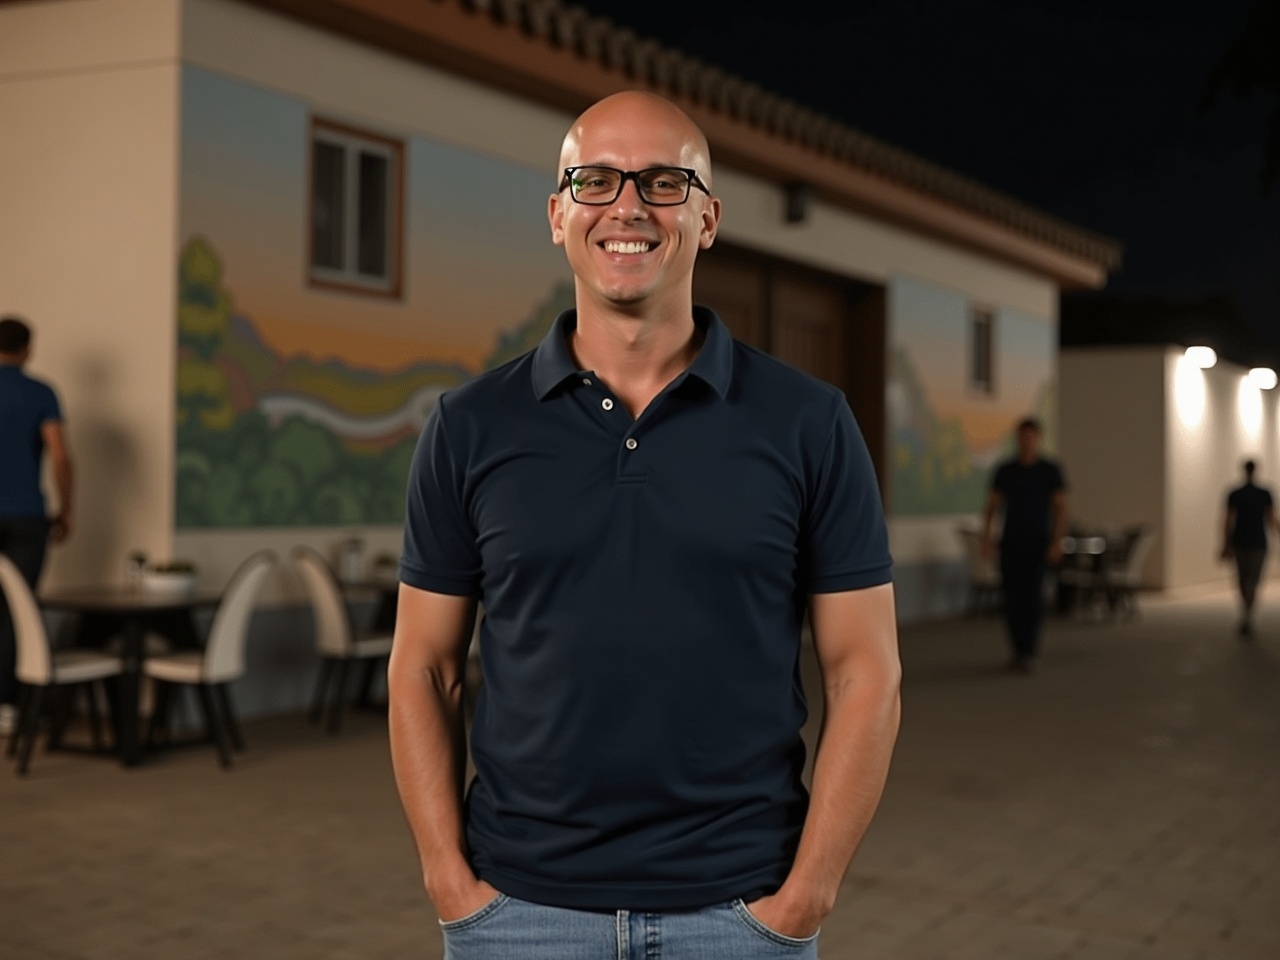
(1031, 491)
(30, 425)
(645, 508)
(1244, 537)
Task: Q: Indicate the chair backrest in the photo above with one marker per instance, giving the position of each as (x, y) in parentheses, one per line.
(224, 652)
(335, 635)
(981, 570)
(1139, 547)
(35, 662)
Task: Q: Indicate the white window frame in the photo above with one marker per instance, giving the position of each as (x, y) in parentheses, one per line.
(354, 142)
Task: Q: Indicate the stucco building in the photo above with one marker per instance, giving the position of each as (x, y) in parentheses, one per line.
(257, 239)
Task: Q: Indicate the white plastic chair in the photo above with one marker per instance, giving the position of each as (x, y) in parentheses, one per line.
(984, 578)
(211, 670)
(41, 669)
(337, 641)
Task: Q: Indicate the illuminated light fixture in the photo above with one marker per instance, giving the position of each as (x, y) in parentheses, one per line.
(1202, 357)
(1264, 378)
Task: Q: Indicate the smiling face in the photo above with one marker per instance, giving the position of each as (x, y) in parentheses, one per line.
(628, 254)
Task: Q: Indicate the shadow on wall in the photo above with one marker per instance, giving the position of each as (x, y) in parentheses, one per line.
(109, 483)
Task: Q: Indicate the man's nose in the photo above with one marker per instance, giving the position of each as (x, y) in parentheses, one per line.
(629, 203)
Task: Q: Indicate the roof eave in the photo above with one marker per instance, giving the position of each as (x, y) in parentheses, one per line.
(563, 58)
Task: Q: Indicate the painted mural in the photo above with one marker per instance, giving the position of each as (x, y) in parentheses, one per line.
(298, 406)
(944, 437)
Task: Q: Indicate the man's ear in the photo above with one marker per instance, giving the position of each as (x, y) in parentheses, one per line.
(710, 223)
(555, 216)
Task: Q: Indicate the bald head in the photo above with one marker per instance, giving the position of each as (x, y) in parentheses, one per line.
(634, 129)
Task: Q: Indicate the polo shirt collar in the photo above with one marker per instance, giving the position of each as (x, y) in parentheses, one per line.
(553, 364)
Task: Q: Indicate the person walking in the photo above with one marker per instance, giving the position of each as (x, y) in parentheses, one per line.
(1249, 514)
(30, 426)
(645, 508)
(1029, 490)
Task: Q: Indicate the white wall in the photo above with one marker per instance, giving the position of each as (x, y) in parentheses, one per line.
(1203, 460)
(372, 88)
(1149, 438)
(1112, 434)
(88, 106)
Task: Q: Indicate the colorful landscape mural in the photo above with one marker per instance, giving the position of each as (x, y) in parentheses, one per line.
(945, 437)
(301, 406)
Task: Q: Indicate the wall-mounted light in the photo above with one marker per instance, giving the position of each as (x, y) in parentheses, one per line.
(1202, 357)
(1264, 378)
(798, 198)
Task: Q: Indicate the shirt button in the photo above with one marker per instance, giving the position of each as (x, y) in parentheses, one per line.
(631, 443)
(586, 381)
(607, 403)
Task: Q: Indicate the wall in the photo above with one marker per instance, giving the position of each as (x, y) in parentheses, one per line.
(1211, 432)
(88, 174)
(1149, 438)
(369, 87)
(1113, 432)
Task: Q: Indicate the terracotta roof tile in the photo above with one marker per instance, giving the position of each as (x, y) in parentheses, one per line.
(647, 61)
(604, 46)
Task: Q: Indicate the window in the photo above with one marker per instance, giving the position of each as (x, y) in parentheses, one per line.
(982, 350)
(355, 209)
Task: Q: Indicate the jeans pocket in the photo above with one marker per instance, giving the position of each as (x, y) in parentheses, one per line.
(476, 917)
(773, 936)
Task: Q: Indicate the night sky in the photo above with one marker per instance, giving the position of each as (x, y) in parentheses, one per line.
(1087, 110)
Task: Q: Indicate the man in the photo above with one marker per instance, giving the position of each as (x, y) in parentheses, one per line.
(1244, 536)
(645, 508)
(30, 424)
(1030, 491)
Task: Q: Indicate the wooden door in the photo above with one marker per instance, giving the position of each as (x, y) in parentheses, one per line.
(807, 327)
(736, 290)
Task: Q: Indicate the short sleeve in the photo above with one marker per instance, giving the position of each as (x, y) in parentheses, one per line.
(440, 549)
(999, 478)
(49, 409)
(1059, 478)
(848, 543)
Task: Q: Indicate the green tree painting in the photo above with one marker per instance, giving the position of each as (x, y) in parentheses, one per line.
(242, 462)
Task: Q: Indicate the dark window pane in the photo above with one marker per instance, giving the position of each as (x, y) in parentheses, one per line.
(328, 168)
(372, 256)
(980, 359)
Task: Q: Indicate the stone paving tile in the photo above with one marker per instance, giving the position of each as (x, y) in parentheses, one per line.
(1122, 804)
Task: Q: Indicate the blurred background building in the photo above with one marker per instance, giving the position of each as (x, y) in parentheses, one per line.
(258, 240)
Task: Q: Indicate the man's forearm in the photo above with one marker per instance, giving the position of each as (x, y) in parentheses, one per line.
(64, 483)
(428, 758)
(859, 728)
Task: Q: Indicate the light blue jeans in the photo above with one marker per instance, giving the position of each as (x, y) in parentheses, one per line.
(511, 929)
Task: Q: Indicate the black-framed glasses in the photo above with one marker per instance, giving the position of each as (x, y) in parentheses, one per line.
(658, 186)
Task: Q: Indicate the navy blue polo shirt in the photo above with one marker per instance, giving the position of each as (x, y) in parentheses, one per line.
(637, 739)
(26, 405)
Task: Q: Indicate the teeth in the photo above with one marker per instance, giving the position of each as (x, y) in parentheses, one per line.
(617, 246)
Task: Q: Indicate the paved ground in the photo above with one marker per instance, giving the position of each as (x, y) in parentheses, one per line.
(1122, 803)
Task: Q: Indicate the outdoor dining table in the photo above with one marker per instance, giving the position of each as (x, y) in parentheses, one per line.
(130, 613)
(1081, 570)
(383, 591)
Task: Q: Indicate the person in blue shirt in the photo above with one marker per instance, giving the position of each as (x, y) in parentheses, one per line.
(1249, 514)
(30, 426)
(1030, 491)
(645, 509)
